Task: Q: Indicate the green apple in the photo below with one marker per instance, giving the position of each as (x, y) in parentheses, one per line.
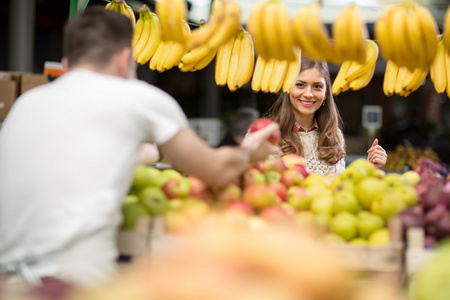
(411, 177)
(129, 199)
(407, 193)
(358, 241)
(140, 178)
(299, 197)
(252, 176)
(153, 173)
(354, 173)
(387, 205)
(394, 180)
(367, 223)
(345, 200)
(131, 212)
(322, 203)
(368, 189)
(365, 164)
(323, 221)
(314, 179)
(379, 237)
(333, 239)
(164, 176)
(272, 176)
(344, 224)
(154, 199)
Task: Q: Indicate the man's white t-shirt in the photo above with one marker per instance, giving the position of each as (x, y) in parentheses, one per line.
(67, 152)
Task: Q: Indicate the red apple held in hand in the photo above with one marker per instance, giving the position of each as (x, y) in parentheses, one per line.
(292, 159)
(262, 123)
(259, 196)
(177, 187)
(290, 177)
(199, 189)
(252, 176)
(279, 189)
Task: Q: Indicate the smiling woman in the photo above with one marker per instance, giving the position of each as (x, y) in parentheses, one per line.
(310, 122)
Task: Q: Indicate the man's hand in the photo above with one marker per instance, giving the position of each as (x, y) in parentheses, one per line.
(377, 155)
(258, 143)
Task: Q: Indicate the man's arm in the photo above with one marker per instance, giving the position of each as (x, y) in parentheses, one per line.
(217, 166)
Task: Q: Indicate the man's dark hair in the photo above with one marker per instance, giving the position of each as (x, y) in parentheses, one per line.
(95, 35)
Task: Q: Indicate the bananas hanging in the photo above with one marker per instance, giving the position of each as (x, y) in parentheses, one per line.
(407, 35)
(440, 69)
(235, 61)
(169, 53)
(311, 35)
(446, 32)
(354, 76)
(122, 7)
(350, 32)
(224, 23)
(172, 15)
(197, 58)
(270, 28)
(401, 81)
(147, 35)
(275, 75)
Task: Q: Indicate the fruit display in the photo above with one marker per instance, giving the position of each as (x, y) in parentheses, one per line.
(123, 8)
(404, 158)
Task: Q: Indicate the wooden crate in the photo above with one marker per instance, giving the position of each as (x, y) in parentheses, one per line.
(416, 255)
(137, 241)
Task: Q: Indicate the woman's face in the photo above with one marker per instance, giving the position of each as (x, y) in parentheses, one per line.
(308, 92)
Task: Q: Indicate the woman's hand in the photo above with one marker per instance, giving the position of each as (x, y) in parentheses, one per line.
(377, 155)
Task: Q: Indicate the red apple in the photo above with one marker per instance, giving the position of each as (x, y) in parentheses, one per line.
(241, 206)
(301, 169)
(277, 165)
(279, 189)
(228, 194)
(292, 159)
(262, 123)
(259, 196)
(299, 197)
(274, 214)
(291, 177)
(252, 176)
(199, 189)
(177, 187)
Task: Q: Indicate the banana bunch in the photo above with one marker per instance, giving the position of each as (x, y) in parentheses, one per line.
(271, 30)
(440, 69)
(275, 75)
(122, 7)
(234, 61)
(169, 53)
(197, 58)
(401, 81)
(173, 15)
(146, 36)
(406, 34)
(224, 23)
(446, 32)
(349, 33)
(354, 76)
(311, 35)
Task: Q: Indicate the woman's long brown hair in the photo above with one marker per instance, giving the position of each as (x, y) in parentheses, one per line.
(330, 147)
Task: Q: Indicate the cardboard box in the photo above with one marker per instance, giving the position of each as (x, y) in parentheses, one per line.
(8, 94)
(30, 81)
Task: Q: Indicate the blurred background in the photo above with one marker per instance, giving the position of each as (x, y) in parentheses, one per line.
(31, 34)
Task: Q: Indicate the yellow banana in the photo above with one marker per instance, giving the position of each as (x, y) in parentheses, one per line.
(162, 63)
(265, 80)
(153, 40)
(131, 14)
(401, 76)
(258, 74)
(201, 64)
(357, 33)
(339, 81)
(229, 27)
(177, 11)
(158, 56)
(413, 34)
(122, 9)
(223, 62)
(371, 60)
(187, 67)
(254, 26)
(397, 23)
(284, 32)
(138, 29)
(381, 31)
(246, 60)
(200, 35)
(430, 31)
(234, 67)
(414, 79)
(362, 81)
(176, 53)
(438, 70)
(278, 74)
(446, 33)
(111, 6)
(146, 32)
(195, 55)
(341, 33)
(390, 77)
(271, 37)
(163, 15)
(292, 72)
